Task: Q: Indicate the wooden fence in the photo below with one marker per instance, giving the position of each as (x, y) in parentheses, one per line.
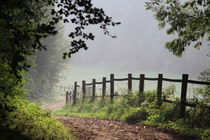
(184, 83)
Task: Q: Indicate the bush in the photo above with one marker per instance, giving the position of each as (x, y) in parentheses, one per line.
(199, 116)
(206, 135)
(135, 115)
(169, 112)
(29, 120)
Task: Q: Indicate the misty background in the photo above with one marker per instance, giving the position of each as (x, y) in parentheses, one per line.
(139, 46)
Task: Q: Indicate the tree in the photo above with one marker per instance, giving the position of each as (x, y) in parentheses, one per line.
(189, 21)
(46, 66)
(24, 23)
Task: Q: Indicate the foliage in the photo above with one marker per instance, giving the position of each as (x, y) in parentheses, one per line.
(169, 92)
(135, 115)
(29, 120)
(206, 135)
(44, 74)
(188, 20)
(8, 82)
(21, 119)
(23, 24)
(204, 91)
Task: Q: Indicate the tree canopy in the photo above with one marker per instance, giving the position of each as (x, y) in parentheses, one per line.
(188, 20)
(24, 23)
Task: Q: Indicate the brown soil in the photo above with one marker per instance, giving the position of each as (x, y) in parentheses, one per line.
(55, 105)
(95, 129)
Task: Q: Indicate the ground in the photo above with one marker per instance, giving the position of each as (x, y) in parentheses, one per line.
(56, 105)
(96, 129)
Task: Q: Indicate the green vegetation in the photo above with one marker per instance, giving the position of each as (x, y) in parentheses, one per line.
(20, 119)
(30, 121)
(187, 20)
(131, 109)
(24, 24)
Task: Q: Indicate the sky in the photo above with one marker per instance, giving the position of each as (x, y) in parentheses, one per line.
(139, 45)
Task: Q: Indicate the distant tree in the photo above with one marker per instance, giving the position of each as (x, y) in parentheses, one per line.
(188, 20)
(46, 67)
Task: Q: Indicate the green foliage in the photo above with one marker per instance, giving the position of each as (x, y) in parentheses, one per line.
(9, 84)
(199, 116)
(188, 20)
(23, 24)
(169, 92)
(29, 120)
(135, 115)
(126, 108)
(206, 135)
(204, 92)
(21, 119)
(45, 73)
(167, 112)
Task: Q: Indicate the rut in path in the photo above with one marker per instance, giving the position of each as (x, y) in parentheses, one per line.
(95, 129)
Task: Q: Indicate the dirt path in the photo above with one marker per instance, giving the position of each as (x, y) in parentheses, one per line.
(55, 105)
(95, 129)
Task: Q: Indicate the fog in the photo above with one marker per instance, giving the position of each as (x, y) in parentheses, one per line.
(139, 45)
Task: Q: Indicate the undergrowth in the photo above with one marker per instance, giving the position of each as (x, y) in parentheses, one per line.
(23, 120)
(142, 108)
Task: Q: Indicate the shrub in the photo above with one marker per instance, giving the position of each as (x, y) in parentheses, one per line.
(29, 120)
(206, 135)
(135, 115)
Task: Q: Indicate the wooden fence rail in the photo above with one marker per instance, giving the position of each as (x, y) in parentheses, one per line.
(184, 83)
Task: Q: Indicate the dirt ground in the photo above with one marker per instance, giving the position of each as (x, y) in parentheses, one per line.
(96, 129)
(58, 104)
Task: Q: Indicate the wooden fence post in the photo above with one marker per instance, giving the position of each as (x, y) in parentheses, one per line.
(159, 89)
(67, 97)
(141, 84)
(75, 93)
(104, 88)
(141, 88)
(83, 91)
(93, 90)
(70, 96)
(183, 95)
(130, 82)
(111, 88)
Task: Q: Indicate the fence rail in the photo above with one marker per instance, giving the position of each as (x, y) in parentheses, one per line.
(183, 98)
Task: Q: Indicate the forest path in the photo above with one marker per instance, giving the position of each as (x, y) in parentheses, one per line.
(96, 129)
(53, 106)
